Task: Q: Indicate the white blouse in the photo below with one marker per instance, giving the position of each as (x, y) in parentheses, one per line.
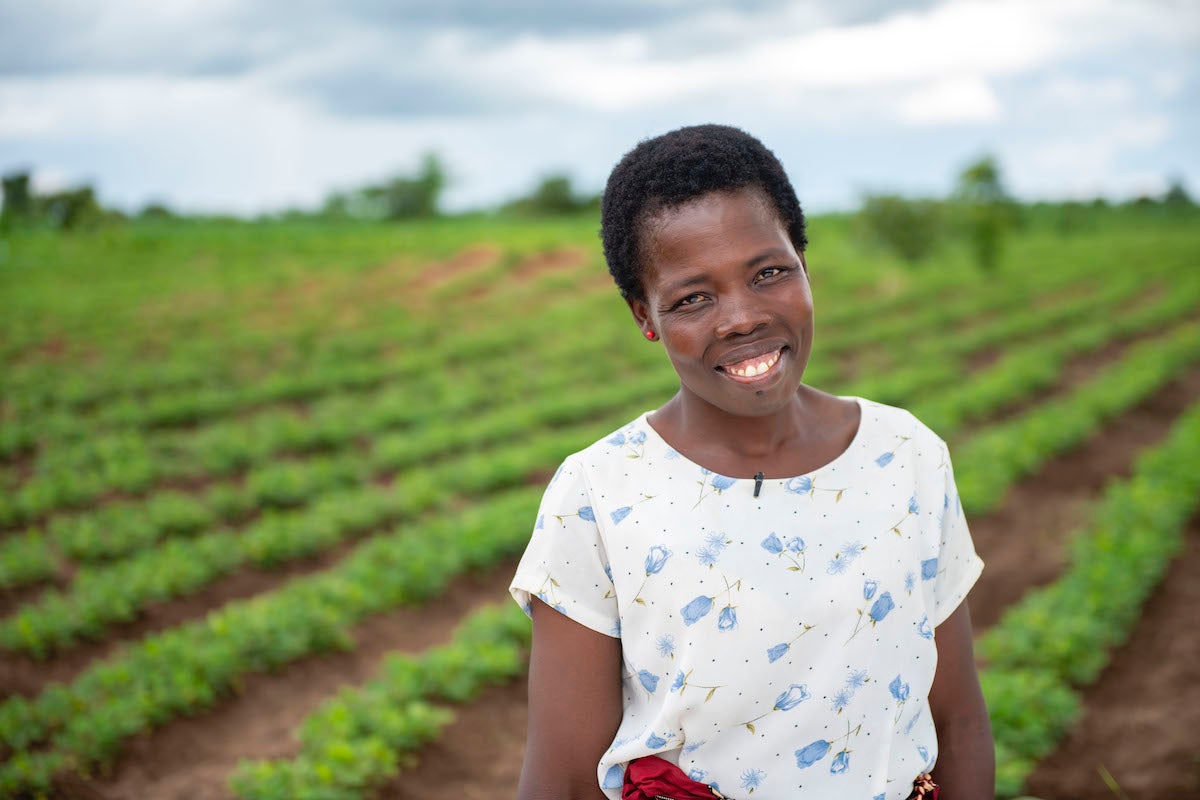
(781, 645)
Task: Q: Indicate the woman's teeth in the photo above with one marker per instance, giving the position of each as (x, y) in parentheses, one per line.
(750, 368)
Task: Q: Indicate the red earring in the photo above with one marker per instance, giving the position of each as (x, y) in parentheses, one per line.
(651, 335)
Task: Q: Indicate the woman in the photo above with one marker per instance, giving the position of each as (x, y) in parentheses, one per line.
(759, 588)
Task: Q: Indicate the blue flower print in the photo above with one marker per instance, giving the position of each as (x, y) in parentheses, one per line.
(697, 774)
(585, 513)
(795, 544)
(857, 679)
(608, 572)
(910, 582)
(694, 611)
(708, 556)
(780, 650)
(752, 779)
(929, 569)
(614, 778)
(898, 689)
(656, 559)
(637, 437)
(692, 747)
(788, 699)
(879, 610)
(719, 483)
(791, 697)
(717, 541)
(541, 522)
(886, 458)
(683, 680)
(801, 485)
(844, 557)
(881, 607)
(925, 755)
(772, 544)
(913, 508)
(841, 762)
(923, 627)
(648, 680)
(666, 645)
(654, 741)
(869, 589)
(727, 619)
(880, 796)
(811, 754)
(617, 439)
(841, 700)
(620, 514)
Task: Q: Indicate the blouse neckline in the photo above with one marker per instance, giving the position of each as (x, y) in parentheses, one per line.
(856, 443)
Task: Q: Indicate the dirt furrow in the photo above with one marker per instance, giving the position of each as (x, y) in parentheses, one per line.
(192, 759)
(480, 754)
(1140, 718)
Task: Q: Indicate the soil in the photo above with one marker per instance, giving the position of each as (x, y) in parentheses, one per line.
(192, 759)
(1140, 718)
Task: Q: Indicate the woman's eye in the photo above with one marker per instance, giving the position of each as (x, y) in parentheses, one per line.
(691, 299)
(770, 272)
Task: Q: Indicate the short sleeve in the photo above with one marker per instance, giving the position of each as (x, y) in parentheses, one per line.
(958, 565)
(565, 563)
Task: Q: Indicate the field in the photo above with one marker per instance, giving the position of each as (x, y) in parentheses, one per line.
(263, 485)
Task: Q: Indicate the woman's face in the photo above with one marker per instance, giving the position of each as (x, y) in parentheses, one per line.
(728, 295)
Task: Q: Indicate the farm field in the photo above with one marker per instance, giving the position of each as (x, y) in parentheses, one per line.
(263, 486)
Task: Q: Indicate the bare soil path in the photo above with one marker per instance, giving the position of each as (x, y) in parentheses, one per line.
(1141, 717)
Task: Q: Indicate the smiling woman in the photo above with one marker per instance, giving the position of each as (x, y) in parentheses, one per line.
(758, 587)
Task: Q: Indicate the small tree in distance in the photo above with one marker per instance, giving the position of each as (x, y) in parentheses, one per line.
(908, 227)
(986, 211)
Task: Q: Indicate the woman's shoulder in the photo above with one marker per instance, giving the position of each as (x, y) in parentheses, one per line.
(889, 423)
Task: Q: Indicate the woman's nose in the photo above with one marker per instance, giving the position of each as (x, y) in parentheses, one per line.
(740, 315)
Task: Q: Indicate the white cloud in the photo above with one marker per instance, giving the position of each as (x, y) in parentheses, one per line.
(951, 101)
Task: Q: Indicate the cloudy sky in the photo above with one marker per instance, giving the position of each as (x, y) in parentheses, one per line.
(253, 105)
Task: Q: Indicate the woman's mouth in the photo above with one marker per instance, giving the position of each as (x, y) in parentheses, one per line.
(753, 369)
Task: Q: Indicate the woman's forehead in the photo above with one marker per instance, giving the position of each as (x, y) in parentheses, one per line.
(717, 224)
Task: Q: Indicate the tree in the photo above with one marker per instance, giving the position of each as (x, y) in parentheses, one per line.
(18, 200)
(908, 227)
(986, 212)
(554, 195)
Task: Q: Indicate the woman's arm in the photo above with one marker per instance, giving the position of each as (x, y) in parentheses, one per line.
(966, 765)
(574, 707)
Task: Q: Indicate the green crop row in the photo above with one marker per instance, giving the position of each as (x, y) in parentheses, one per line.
(411, 364)
(105, 594)
(1009, 450)
(1061, 636)
(358, 740)
(188, 668)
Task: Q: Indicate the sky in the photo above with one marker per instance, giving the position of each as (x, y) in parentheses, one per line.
(251, 106)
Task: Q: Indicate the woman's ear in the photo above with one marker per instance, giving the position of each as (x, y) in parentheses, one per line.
(641, 314)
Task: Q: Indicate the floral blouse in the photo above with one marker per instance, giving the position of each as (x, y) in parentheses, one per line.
(777, 646)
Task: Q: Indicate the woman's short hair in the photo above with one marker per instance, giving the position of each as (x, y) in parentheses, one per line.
(669, 170)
